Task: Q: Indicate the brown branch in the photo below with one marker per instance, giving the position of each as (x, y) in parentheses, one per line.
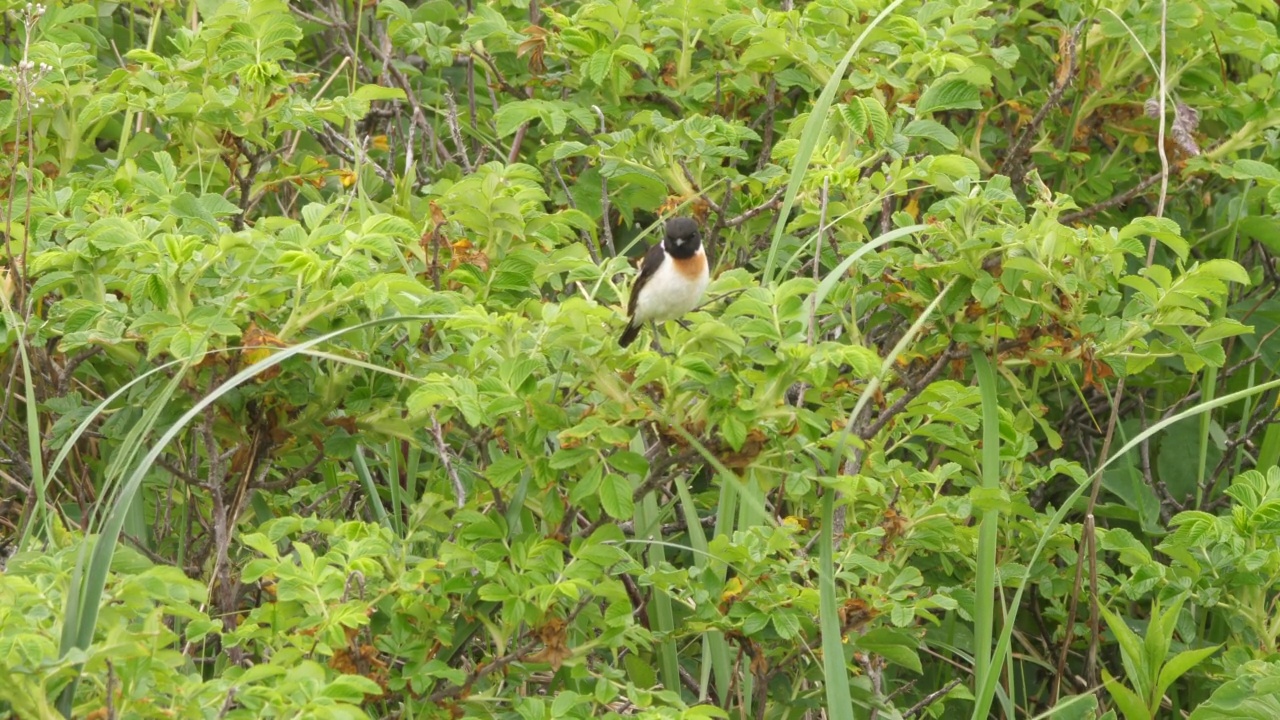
(606, 225)
(930, 699)
(64, 376)
(1120, 199)
(459, 492)
(1016, 159)
(768, 205)
(292, 478)
(455, 131)
(913, 391)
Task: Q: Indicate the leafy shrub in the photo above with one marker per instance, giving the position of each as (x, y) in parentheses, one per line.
(310, 314)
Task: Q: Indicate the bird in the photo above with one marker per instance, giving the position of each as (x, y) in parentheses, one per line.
(672, 278)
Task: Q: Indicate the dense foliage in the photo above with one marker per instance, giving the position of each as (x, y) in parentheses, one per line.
(314, 405)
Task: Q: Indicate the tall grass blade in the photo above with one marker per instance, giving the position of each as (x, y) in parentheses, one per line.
(370, 488)
(714, 647)
(649, 527)
(834, 672)
(984, 611)
(829, 282)
(83, 604)
(809, 138)
(982, 703)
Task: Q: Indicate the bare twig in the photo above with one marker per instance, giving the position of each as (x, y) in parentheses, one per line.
(930, 699)
(606, 229)
(768, 205)
(459, 492)
(913, 391)
(1109, 203)
(514, 153)
(1016, 159)
(292, 478)
(455, 131)
(111, 691)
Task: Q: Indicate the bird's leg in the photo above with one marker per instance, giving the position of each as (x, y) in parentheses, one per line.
(684, 324)
(656, 345)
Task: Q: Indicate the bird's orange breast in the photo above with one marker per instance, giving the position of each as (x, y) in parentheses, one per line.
(691, 268)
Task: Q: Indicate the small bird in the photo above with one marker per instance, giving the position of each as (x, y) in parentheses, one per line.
(671, 281)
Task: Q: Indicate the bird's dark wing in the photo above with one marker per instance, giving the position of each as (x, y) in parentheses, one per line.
(652, 260)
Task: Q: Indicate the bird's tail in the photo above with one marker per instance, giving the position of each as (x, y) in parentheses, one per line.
(629, 334)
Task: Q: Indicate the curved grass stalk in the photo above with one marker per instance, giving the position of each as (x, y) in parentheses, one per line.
(809, 138)
(835, 673)
(84, 596)
(986, 690)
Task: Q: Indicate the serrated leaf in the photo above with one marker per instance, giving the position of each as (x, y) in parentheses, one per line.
(514, 114)
(634, 54)
(7, 112)
(615, 497)
(787, 625)
(157, 291)
(1228, 270)
(598, 65)
(854, 115)
(629, 462)
(1246, 169)
(877, 120)
(1162, 229)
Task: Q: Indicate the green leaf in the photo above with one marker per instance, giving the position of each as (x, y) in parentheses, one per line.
(854, 115)
(932, 130)
(896, 646)
(877, 120)
(598, 65)
(1129, 703)
(514, 114)
(734, 431)
(636, 55)
(1179, 665)
(369, 93)
(1162, 229)
(630, 462)
(1224, 269)
(615, 497)
(1251, 694)
(949, 94)
(350, 688)
(1246, 169)
(1132, 652)
(787, 624)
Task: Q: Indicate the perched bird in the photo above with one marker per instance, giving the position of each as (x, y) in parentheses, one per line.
(672, 278)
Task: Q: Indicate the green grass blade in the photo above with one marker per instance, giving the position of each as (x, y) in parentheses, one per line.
(809, 138)
(648, 527)
(984, 612)
(370, 488)
(83, 606)
(38, 521)
(983, 702)
(835, 675)
(714, 645)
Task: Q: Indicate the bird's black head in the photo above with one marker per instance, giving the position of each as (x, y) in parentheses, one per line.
(683, 239)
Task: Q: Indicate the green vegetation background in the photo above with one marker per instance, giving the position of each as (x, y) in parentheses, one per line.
(314, 408)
